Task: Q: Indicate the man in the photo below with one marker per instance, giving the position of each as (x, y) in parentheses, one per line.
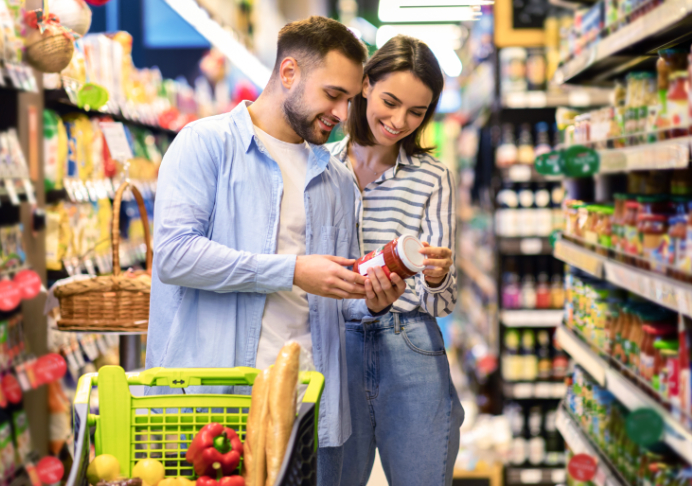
(254, 228)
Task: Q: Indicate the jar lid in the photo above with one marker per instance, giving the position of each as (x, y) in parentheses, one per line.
(673, 50)
(677, 219)
(408, 249)
(681, 198)
(678, 74)
(632, 205)
(621, 196)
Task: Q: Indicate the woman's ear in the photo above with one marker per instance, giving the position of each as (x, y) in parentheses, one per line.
(366, 87)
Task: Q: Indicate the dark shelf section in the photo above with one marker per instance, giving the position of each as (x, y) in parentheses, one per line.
(538, 245)
(56, 195)
(57, 99)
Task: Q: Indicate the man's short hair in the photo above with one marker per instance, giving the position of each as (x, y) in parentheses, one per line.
(310, 40)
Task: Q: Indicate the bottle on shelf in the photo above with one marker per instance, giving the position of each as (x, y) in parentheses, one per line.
(511, 361)
(528, 286)
(560, 361)
(543, 285)
(528, 355)
(525, 150)
(511, 297)
(557, 286)
(506, 152)
(507, 214)
(545, 363)
(542, 139)
(536, 445)
(543, 214)
(517, 422)
(527, 210)
(554, 445)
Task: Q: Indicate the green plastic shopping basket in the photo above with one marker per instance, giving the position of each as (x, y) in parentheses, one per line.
(162, 426)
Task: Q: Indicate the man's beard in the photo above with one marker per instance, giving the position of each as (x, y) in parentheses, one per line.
(302, 122)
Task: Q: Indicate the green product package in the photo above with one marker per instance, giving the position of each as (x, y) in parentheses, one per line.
(22, 436)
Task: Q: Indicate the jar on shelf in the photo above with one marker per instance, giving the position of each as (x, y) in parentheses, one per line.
(664, 350)
(604, 229)
(677, 234)
(631, 243)
(654, 231)
(652, 333)
(618, 218)
(678, 104)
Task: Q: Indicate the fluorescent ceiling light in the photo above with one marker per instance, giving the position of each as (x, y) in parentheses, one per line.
(224, 40)
(443, 40)
(417, 11)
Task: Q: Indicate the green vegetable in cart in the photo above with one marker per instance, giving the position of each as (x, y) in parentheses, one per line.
(225, 481)
(215, 451)
(149, 470)
(103, 468)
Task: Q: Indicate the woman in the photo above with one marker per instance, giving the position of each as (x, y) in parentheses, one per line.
(401, 396)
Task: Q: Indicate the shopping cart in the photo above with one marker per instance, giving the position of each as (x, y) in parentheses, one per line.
(162, 426)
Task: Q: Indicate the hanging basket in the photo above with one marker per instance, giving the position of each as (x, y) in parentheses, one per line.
(50, 51)
(118, 302)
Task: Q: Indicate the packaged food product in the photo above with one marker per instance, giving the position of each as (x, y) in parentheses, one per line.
(401, 256)
(652, 333)
(678, 107)
(631, 244)
(666, 368)
(513, 69)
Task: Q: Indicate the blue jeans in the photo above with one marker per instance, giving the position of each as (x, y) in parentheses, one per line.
(402, 402)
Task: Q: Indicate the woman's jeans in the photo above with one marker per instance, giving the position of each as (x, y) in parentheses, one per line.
(402, 402)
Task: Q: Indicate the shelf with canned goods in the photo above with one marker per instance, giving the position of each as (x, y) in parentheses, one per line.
(658, 287)
(579, 442)
(631, 391)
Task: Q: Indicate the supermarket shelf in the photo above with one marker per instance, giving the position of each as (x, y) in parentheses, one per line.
(517, 475)
(548, 390)
(580, 443)
(665, 291)
(667, 24)
(627, 392)
(56, 98)
(669, 154)
(539, 245)
(553, 99)
(583, 354)
(532, 318)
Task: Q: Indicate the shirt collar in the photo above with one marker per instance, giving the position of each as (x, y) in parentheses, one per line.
(341, 151)
(246, 130)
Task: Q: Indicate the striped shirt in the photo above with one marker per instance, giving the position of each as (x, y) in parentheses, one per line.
(415, 197)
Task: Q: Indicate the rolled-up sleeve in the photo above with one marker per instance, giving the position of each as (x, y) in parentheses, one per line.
(184, 255)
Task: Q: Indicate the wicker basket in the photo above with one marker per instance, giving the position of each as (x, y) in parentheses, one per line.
(50, 52)
(110, 303)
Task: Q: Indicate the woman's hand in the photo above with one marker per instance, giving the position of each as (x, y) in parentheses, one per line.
(437, 263)
(380, 291)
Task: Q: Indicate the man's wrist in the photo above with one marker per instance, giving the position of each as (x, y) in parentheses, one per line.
(380, 313)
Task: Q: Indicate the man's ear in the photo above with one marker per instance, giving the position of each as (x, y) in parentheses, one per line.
(367, 87)
(289, 72)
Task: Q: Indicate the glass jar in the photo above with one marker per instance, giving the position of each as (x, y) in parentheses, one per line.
(653, 229)
(618, 219)
(663, 346)
(591, 225)
(604, 229)
(677, 234)
(631, 244)
(655, 204)
(678, 109)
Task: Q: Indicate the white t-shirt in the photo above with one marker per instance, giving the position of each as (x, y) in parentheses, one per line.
(286, 313)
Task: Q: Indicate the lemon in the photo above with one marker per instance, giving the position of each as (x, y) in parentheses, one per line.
(149, 470)
(103, 468)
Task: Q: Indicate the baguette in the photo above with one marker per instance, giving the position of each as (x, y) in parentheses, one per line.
(254, 460)
(283, 382)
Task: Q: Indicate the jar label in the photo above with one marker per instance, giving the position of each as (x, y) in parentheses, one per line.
(376, 261)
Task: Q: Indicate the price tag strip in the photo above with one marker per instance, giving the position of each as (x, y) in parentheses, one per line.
(579, 257)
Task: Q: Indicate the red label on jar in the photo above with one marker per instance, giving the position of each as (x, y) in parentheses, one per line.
(582, 467)
(50, 470)
(28, 282)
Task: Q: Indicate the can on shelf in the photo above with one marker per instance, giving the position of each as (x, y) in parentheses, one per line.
(401, 256)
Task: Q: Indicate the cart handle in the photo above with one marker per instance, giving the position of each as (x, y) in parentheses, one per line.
(184, 377)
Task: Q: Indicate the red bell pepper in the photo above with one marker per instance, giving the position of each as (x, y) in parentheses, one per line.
(225, 481)
(215, 451)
